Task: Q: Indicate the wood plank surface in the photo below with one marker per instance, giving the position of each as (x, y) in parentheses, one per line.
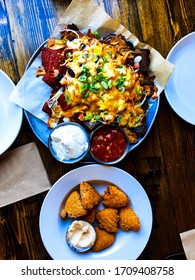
(164, 163)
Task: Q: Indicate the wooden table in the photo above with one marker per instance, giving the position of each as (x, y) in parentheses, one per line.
(164, 162)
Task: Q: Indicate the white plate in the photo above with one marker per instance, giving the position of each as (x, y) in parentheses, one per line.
(10, 114)
(128, 245)
(179, 90)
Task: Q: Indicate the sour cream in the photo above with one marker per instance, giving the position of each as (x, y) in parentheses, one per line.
(68, 141)
(81, 236)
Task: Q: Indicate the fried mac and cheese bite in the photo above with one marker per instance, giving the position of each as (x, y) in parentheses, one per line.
(89, 195)
(128, 219)
(73, 207)
(104, 239)
(114, 197)
(108, 219)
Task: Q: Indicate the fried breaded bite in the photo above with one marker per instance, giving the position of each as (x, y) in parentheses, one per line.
(113, 197)
(90, 217)
(73, 207)
(128, 219)
(104, 239)
(108, 219)
(89, 195)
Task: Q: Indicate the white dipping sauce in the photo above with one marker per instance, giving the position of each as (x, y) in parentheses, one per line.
(68, 142)
(81, 234)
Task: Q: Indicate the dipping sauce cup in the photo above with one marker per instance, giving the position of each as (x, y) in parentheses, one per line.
(80, 236)
(108, 144)
(69, 142)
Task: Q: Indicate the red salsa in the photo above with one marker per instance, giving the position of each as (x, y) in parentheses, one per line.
(108, 143)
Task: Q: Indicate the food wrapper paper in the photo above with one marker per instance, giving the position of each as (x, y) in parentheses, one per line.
(22, 174)
(188, 242)
(31, 93)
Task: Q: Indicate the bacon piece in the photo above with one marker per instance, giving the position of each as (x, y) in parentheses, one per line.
(46, 108)
(51, 61)
(145, 62)
(62, 102)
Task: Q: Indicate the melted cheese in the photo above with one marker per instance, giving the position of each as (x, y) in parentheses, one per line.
(108, 88)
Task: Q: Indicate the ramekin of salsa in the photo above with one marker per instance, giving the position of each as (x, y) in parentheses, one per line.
(108, 144)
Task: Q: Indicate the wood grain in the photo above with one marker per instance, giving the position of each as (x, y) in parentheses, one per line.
(164, 163)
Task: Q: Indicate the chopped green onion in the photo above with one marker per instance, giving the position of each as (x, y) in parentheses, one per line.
(118, 118)
(116, 104)
(104, 84)
(84, 87)
(97, 86)
(101, 98)
(86, 95)
(96, 57)
(84, 68)
(100, 69)
(96, 116)
(97, 35)
(109, 83)
(138, 90)
(88, 116)
(82, 78)
(110, 53)
(85, 71)
(104, 58)
(100, 77)
(120, 82)
(94, 90)
(121, 88)
(132, 114)
(67, 97)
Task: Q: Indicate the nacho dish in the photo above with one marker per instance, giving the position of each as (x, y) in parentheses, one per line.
(97, 80)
